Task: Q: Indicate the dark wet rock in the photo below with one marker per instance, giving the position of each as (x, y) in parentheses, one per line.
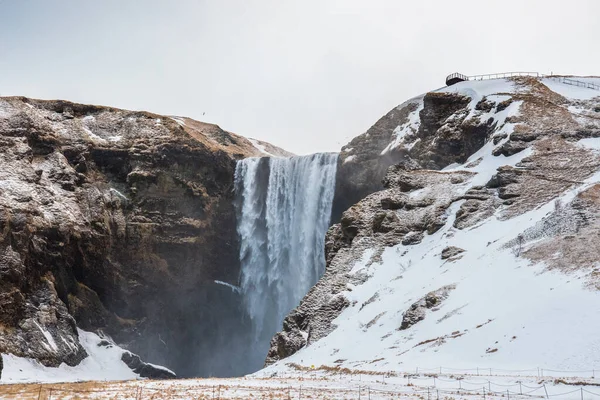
(498, 138)
(503, 105)
(504, 176)
(510, 148)
(446, 140)
(451, 252)
(484, 105)
(418, 310)
(146, 370)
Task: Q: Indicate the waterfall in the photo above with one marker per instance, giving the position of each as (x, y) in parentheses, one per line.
(283, 209)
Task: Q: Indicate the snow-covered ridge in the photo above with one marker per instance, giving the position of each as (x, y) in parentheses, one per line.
(515, 299)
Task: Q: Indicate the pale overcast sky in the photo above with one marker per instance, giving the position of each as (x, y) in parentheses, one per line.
(305, 75)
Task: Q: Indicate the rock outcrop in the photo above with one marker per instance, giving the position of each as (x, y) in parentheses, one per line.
(145, 370)
(418, 310)
(440, 129)
(451, 252)
(120, 222)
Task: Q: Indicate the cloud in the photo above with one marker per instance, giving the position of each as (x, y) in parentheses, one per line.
(307, 76)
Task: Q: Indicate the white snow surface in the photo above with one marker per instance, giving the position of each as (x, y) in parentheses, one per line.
(102, 363)
(260, 147)
(478, 89)
(410, 126)
(48, 337)
(179, 120)
(571, 91)
(590, 143)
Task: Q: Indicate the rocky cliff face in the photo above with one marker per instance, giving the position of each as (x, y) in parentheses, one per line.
(508, 148)
(440, 129)
(120, 222)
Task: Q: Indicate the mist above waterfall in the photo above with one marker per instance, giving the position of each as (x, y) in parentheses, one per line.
(283, 209)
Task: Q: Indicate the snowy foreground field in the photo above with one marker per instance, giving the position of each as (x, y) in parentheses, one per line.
(331, 383)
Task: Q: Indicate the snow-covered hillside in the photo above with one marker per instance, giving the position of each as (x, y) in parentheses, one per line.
(491, 262)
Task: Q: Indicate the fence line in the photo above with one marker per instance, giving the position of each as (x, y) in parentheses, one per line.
(575, 82)
(466, 385)
(307, 392)
(477, 371)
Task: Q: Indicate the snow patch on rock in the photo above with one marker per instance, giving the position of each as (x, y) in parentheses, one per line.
(103, 363)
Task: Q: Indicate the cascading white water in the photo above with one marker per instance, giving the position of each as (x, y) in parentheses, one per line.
(283, 210)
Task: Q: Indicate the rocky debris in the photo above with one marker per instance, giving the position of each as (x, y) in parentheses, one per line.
(145, 370)
(554, 166)
(565, 239)
(450, 252)
(118, 221)
(417, 311)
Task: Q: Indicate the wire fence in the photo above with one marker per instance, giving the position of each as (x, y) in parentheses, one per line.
(575, 82)
(318, 384)
(478, 371)
(311, 392)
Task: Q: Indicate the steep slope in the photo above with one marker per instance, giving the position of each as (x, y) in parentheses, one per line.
(490, 261)
(117, 222)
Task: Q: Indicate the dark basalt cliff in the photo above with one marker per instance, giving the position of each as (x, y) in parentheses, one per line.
(119, 222)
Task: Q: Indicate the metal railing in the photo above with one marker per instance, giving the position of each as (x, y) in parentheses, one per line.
(503, 75)
(457, 75)
(460, 77)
